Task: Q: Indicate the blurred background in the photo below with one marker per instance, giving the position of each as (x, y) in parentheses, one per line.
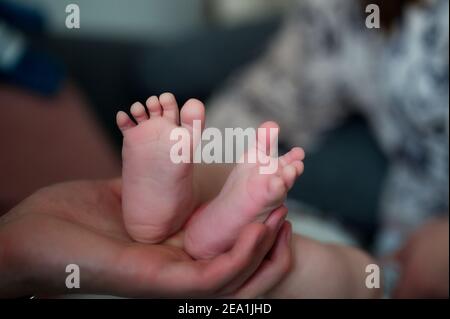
(154, 20)
(75, 80)
(69, 84)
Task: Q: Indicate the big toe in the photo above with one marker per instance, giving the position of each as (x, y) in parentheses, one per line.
(193, 112)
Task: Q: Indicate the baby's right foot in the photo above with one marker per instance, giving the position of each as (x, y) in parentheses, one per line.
(157, 194)
(246, 197)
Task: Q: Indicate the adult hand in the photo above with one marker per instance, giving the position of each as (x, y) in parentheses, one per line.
(81, 223)
(424, 261)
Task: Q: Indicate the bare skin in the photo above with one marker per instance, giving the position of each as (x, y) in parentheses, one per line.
(425, 262)
(318, 270)
(160, 195)
(321, 270)
(81, 223)
(235, 195)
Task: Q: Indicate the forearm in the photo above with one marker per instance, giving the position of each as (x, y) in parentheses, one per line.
(325, 271)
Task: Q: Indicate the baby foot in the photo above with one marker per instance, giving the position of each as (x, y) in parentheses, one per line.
(246, 197)
(157, 194)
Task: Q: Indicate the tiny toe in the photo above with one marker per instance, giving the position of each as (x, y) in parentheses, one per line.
(153, 106)
(299, 167)
(193, 110)
(138, 112)
(289, 174)
(169, 106)
(124, 122)
(277, 188)
(295, 154)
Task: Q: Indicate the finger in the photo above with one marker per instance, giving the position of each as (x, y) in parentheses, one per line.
(207, 277)
(272, 270)
(274, 223)
(248, 261)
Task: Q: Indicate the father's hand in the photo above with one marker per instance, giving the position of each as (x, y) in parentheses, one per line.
(81, 223)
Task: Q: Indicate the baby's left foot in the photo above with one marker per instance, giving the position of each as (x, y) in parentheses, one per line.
(157, 194)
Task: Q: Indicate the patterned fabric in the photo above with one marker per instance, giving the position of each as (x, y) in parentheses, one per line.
(325, 64)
